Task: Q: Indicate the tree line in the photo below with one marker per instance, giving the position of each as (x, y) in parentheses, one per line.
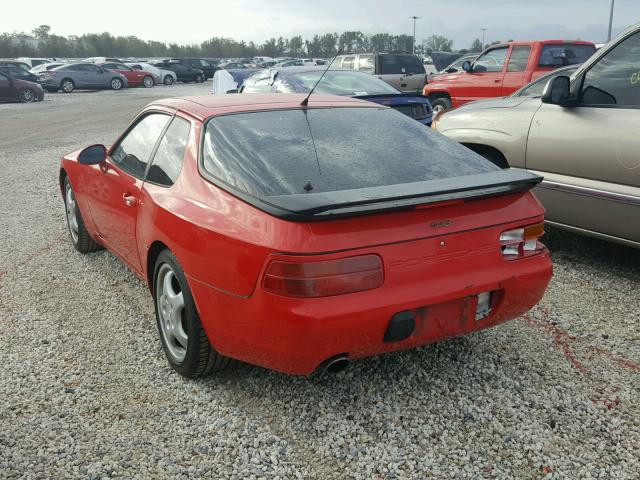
(327, 45)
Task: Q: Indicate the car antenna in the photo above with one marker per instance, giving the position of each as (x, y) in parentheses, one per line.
(305, 102)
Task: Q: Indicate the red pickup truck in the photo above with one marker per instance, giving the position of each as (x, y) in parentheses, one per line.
(502, 69)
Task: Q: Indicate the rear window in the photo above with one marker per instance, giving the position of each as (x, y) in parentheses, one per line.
(564, 54)
(394, 64)
(272, 153)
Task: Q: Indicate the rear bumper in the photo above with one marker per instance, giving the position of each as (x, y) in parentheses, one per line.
(295, 336)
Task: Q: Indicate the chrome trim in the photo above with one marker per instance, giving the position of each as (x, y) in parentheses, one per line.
(592, 192)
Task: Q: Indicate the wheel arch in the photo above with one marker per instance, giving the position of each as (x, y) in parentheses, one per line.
(62, 176)
(155, 248)
(489, 152)
(438, 94)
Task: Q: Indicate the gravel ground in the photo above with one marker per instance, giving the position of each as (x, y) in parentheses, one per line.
(85, 391)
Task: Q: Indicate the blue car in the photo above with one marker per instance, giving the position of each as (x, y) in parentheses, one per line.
(339, 82)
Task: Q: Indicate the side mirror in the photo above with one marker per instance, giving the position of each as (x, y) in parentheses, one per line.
(93, 155)
(466, 66)
(557, 91)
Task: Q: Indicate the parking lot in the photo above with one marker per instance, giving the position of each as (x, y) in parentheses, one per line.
(87, 393)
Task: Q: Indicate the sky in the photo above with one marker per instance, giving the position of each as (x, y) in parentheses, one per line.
(193, 21)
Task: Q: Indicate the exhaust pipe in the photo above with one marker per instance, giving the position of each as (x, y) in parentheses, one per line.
(336, 364)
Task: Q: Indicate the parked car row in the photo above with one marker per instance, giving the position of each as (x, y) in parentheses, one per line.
(93, 73)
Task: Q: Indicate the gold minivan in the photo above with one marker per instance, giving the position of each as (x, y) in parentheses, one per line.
(403, 71)
(582, 134)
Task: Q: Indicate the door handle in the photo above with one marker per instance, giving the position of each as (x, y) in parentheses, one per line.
(497, 80)
(129, 200)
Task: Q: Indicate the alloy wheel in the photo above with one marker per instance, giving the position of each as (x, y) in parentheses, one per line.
(148, 82)
(116, 84)
(67, 86)
(171, 312)
(72, 213)
(27, 96)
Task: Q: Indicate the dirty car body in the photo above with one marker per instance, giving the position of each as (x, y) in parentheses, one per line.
(301, 239)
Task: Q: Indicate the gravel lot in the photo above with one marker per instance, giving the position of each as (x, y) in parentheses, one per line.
(85, 391)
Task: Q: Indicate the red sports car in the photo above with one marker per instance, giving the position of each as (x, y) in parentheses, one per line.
(297, 236)
(135, 78)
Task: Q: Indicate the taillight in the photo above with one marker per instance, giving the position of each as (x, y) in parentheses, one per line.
(324, 278)
(522, 242)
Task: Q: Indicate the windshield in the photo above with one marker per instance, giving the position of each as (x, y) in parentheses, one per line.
(336, 82)
(272, 152)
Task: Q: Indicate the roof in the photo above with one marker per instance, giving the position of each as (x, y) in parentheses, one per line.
(205, 106)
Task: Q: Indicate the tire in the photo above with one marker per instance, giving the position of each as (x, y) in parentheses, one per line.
(441, 104)
(67, 85)
(168, 80)
(147, 82)
(199, 79)
(116, 84)
(27, 96)
(183, 338)
(80, 237)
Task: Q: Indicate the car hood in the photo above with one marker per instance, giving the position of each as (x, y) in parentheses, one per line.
(503, 102)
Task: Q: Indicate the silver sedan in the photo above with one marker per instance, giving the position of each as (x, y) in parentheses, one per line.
(81, 76)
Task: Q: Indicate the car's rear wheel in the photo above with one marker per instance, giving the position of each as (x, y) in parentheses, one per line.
(183, 338)
(116, 84)
(441, 104)
(168, 80)
(67, 85)
(199, 79)
(27, 95)
(80, 237)
(147, 82)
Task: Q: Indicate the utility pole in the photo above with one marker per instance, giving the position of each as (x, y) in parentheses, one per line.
(483, 30)
(613, 3)
(413, 44)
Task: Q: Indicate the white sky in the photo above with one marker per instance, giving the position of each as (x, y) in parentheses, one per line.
(192, 21)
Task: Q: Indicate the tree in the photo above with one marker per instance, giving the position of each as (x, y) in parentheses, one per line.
(438, 43)
(41, 32)
(476, 46)
(295, 45)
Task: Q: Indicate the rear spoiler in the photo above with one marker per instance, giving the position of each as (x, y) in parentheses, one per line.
(331, 205)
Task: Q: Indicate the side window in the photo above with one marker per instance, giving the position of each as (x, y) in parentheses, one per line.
(398, 64)
(615, 79)
(492, 61)
(366, 64)
(4, 81)
(519, 58)
(16, 72)
(347, 63)
(167, 162)
(133, 152)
